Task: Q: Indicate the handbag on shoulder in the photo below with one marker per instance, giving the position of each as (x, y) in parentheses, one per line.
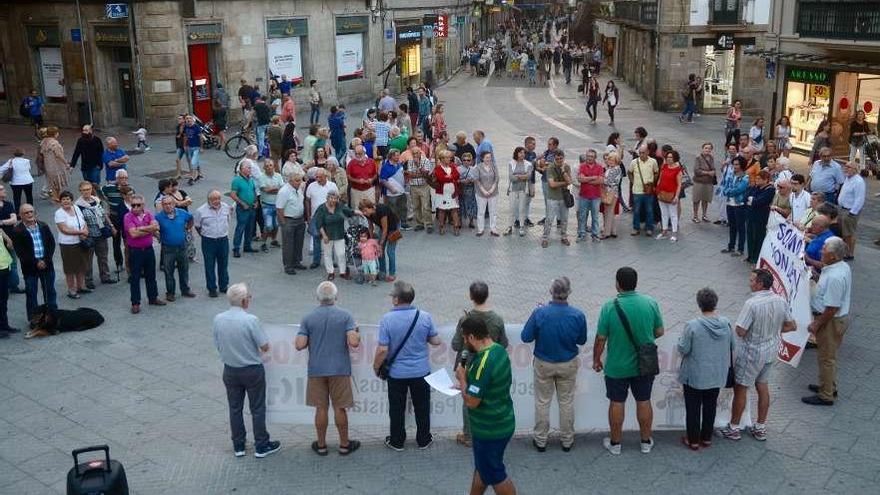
(646, 354)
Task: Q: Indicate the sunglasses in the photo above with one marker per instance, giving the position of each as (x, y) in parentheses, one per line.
(136, 204)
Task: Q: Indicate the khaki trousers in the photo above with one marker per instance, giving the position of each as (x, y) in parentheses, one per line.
(559, 378)
(356, 196)
(421, 204)
(828, 340)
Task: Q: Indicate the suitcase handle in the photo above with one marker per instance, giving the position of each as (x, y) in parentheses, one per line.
(93, 448)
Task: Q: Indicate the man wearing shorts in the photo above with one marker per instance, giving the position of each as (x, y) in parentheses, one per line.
(328, 332)
(621, 364)
(763, 319)
(485, 387)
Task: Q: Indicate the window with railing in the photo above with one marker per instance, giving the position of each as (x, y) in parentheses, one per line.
(842, 20)
(641, 11)
(725, 11)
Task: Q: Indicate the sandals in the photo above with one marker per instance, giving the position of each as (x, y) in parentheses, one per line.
(322, 451)
(348, 449)
(705, 219)
(695, 220)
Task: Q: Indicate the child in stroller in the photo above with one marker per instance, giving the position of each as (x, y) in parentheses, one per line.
(353, 252)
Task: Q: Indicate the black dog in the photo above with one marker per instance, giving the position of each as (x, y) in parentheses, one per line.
(47, 321)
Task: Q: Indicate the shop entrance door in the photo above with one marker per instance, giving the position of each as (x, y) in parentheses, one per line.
(200, 81)
(126, 92)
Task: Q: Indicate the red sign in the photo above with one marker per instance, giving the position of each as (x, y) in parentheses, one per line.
(442, 28)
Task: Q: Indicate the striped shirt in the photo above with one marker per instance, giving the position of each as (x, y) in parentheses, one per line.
(762, 316)
(489, 379)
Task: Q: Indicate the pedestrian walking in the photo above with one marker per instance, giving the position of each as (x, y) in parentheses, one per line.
(689, 93)
(611, 99)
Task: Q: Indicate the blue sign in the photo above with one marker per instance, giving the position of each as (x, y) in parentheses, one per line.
(117, 10)
(76, 35)
(389, 34)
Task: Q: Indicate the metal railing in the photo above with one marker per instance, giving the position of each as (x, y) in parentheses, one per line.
(841, 20)
(641, 11)
(725, 12)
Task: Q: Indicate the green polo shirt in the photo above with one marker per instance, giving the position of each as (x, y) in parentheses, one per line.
(489, 378)
(244, 188)
(398, 143)
(643, 314)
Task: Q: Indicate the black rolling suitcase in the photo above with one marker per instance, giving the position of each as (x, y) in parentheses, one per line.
(96, 477)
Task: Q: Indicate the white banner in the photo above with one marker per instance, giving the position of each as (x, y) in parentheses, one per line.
(349, 55)
(52, 72)
(285, 58)
(286, 376)
(783, 255)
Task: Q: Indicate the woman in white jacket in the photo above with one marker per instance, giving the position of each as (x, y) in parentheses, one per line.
(22, 180)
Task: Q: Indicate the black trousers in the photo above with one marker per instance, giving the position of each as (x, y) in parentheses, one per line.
(696, 401)
(756, 231)
(250, 381)
(420, 394)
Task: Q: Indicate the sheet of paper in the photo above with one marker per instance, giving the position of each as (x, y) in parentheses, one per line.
(442, 382)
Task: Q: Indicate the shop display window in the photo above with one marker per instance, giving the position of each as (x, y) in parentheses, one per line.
(806, 106)
(869, 96)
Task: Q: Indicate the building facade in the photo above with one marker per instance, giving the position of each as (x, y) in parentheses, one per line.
(654, 44)
(825, 60)
(149, 61)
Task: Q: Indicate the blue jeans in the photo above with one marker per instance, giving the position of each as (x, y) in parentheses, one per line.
(270, 218)
(316, 113)
(588, 207)
(92, 175)
(261, 137)
(831, 197)
(690, 106)
(316, 243)
(338, 144)
(244, 227)
(216, 253)
(143, 262)
(736, 225)
(193, 155)
(391, 252)
(32, 283)
(643, 203)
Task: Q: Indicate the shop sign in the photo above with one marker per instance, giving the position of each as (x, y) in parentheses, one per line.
(111, 35)
(204, 33)
(442, 29)
(724, 41)
(353, 24)
(43, 36)
(430, 21)
(409, 34)
(821, 91)
(807, 75)
(286, 28)
(116, 10)
(76, 35)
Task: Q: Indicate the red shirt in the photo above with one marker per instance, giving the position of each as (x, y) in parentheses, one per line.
(668, 178)
(591, 191)
(361, 169)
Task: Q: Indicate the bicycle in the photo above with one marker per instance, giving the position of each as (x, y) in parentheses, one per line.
(236, 144)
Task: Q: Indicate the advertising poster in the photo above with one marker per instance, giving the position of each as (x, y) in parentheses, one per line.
(285, 58)
(783, 255)
(52, 72)
(286, 377)
(349, 56)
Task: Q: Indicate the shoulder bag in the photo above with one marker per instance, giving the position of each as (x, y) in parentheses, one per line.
(385, 368)
(567, 197)
(646, 354)
(88, 243)
(647, 188)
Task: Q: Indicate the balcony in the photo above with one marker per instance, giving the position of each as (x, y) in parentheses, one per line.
(638, 11)
(838, 20)
(725, 12)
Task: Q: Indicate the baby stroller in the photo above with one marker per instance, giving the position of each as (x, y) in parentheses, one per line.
(872, 158)
(483, 67)
(352, 254)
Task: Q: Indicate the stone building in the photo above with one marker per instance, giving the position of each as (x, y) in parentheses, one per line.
(149, 61)
(654, 44)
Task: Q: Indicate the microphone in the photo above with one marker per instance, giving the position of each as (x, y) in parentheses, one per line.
(465, 355)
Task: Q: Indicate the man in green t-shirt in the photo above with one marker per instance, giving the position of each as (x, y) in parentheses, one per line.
(621, 364)
(479, 294)
(242, 191)
(485, 388)
(558, 176)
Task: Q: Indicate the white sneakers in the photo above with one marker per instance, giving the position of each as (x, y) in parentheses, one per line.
(615, 449)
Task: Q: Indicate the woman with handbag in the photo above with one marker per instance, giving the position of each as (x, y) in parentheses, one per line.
(610, 206)
(704, 182)
(706, 347)
(74, 243)
(668, 190)
(100, 229)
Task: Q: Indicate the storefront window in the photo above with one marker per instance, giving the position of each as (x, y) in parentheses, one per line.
(286, 44)
(869, 96)
(350, 34)
(718, 77)
(806, 106)
(45, 42)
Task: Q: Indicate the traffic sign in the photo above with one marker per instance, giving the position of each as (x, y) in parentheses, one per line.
(117, 10)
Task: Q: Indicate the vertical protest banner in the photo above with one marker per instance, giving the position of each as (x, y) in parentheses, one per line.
(782, 254)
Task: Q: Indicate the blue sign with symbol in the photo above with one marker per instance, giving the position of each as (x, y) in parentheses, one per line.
(389, 34)
(117, 10)
(75, 35)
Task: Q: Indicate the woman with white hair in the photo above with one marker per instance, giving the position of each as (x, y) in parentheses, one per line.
(330, 224)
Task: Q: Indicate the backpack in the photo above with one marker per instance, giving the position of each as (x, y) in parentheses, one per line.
(24, 109)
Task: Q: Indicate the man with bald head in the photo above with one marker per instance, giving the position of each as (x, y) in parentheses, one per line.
(211, 221)
(819, 231)
(643, 172)
(114, 159)
(90, 148)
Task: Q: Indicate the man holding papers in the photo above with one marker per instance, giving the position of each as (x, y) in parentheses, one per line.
(485, 387)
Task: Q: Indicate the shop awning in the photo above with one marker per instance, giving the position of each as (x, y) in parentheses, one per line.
(814, 58)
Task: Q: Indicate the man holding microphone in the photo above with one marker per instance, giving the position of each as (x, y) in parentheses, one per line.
(485, 388)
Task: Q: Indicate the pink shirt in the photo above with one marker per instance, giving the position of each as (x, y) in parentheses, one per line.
(369, 250)
(130, 221)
